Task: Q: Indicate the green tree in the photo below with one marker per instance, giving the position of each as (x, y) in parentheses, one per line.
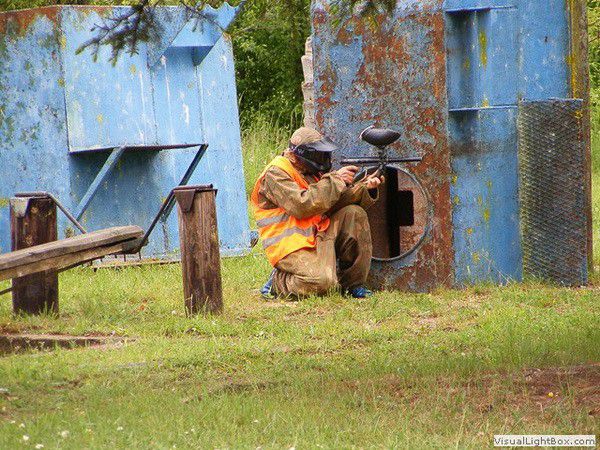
(268, 42)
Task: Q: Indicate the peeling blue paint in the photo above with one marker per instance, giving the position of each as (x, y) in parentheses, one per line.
(55, 103)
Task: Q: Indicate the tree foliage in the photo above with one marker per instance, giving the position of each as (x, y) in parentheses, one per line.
(268, 42)
(123, 31)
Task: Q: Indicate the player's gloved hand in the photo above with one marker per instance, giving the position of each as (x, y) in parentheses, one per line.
(347, 174)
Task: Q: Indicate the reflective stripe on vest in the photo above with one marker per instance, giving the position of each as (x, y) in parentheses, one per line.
(290, 231)
(271, 220)
(280, 232)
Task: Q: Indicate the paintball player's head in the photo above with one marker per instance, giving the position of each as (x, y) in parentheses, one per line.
(310, 150)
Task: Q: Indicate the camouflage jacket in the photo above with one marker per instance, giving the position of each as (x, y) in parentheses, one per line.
(324, 196)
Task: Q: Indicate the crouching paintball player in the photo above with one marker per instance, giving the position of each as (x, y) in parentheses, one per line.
(312, 221)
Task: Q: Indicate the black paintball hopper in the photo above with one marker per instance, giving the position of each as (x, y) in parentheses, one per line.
(379, 137)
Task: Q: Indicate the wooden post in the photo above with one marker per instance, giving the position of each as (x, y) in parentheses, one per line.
(199, 242)
(33, 222)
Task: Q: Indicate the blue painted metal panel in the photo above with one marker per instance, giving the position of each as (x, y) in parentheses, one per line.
(485, 196)
(130, 194)
(544, 49)
(482, 49)
(33, 141)
(465, 5)
(109, 164)
(498, 52)
(177, 98)
(107, 105)
(222, 166)
(180, 29)
(483, 75)
(495, 58)
(53, 101)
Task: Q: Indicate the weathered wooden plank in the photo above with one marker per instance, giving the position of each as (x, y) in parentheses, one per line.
(71, 245)
(60, 262)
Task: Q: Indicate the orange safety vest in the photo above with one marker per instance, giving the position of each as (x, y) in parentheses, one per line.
(280, 232)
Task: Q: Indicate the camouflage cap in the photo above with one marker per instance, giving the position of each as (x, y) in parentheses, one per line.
(305, 135)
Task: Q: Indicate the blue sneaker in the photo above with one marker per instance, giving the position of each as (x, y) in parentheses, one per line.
(267, 291)
(360, 292)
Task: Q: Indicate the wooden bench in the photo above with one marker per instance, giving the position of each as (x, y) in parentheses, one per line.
(59, 255)
(34, 265)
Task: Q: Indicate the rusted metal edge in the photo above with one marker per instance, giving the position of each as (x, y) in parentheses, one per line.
(580, 88)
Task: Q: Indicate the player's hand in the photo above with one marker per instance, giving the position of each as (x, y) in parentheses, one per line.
(374, 181)
(347, 173)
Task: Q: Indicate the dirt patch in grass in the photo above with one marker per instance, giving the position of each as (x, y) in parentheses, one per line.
(19, 343)
(16, 328)
(534, 389)
(423, 323)
(550, 386)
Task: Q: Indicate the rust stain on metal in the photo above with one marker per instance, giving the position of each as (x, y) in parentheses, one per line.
(393, 75)
(24, 18)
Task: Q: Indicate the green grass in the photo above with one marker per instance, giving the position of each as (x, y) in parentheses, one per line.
(412, 370)
(446, 369)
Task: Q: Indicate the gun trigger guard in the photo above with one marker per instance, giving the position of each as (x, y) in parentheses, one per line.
(360, 175)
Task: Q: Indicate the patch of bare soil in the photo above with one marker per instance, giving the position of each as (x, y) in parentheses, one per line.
(19, 343)
(538, 389)
(423, 323)
(549, 386)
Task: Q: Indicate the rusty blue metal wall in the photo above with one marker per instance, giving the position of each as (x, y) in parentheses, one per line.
(455, 98)
(56, 105)
(392, 73)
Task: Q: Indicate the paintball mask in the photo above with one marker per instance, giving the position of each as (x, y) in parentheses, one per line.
(315, 156)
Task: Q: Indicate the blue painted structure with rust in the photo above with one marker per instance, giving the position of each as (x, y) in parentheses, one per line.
(499, 53)
(63, 118)
(455, 99)
(392, 74)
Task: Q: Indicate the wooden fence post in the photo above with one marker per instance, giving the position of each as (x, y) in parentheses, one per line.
(33, 222)
(199, 243)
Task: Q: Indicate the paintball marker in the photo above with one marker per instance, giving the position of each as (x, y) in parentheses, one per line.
(380, 138)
